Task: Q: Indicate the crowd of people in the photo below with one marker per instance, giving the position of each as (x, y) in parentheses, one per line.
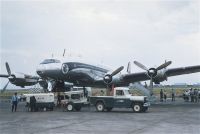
(192, 95)
(163, 95)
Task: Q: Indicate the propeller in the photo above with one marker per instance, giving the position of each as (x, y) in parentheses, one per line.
(152, 72)
(9, 76)
(108, 77)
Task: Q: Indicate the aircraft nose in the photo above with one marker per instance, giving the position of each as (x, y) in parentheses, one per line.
(40, 69)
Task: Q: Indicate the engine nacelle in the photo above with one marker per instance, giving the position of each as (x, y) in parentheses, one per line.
(161, 76)
(107, 78)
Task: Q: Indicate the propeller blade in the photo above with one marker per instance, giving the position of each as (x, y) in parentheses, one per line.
(4, 75)
(164, 65)
(140, 65)
(8, 68)
(4, 88)
(129, 68)
(117, 70)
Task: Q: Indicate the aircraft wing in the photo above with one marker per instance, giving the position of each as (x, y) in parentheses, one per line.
(182, 70)
(142, 76)
(135, 77)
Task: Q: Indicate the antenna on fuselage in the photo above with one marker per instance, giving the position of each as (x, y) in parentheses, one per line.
(52, 55)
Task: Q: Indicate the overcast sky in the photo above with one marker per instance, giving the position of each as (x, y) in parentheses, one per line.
(111, 32)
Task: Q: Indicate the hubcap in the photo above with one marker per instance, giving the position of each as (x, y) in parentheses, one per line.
(100, 107)
(137, 108)
(69, 107)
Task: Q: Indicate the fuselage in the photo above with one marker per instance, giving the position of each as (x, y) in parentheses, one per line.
(76, 72)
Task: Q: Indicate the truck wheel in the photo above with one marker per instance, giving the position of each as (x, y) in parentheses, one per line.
(69, 107)
(109, 109)
(137, 108)
(100, 107)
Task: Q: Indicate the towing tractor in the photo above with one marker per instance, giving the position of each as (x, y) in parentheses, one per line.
(121, 98)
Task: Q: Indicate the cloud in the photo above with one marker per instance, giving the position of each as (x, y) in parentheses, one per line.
(112, 32)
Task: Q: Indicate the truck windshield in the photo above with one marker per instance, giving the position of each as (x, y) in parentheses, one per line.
(127, 92)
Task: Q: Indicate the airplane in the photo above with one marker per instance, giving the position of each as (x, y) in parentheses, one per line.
(82, 74)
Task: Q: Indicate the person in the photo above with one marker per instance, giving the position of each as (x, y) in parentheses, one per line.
(84, 91)
(192, 95)
(173, 95)
(102, 92)
(161, 95)
(14, 102)
(59, 100)
(165, 95)
(195, 95)
(186, 95)
(33, 103)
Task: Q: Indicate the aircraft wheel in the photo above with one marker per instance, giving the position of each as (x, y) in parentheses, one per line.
(137, 108)
(69, 107)
(100, 107)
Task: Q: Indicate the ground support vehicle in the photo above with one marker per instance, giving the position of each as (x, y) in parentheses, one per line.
(121, 99)
(44, 101)
(73, 100)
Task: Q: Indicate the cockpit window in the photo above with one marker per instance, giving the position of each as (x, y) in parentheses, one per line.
(47, 61)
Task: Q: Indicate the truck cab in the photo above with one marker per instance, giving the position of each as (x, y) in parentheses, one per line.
(121, 98)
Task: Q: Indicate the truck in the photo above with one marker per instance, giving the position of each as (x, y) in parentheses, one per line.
(121, 98)
(73, 100)
(44, 101)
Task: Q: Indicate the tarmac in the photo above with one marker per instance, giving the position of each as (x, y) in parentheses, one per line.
(162, 118)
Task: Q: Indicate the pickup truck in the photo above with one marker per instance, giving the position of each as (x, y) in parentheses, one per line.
(121, 98)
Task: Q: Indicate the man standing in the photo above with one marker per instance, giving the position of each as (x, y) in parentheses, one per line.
(173, 95)
(14, 102)
(161, 95)
(165, 95)
(33, 103)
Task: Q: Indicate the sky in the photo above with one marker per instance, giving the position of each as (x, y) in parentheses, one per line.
(109, 32)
